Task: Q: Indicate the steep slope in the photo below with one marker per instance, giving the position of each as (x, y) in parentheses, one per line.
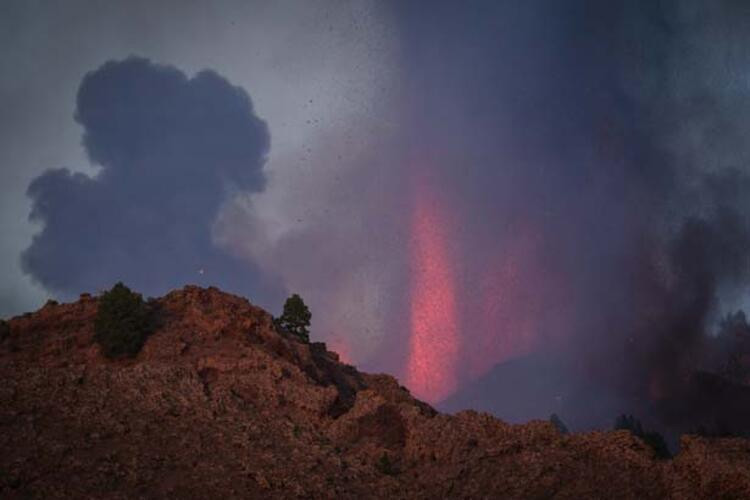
(218, 404)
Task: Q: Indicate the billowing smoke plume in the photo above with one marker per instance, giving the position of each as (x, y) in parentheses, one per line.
(552, 190)
(542, 209)
(591, 151)
(170, 150)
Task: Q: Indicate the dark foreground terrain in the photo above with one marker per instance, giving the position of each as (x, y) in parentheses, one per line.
(220, 405)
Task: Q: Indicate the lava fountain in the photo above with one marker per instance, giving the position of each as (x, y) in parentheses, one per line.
(433, 346)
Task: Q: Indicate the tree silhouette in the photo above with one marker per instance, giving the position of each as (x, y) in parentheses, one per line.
(653, 439)
(123, 321)
(295, 318)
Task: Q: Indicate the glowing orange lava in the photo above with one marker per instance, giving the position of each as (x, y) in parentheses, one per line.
(431, 368)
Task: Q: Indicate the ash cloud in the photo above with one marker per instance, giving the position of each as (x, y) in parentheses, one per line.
(611, 131)
(592, 153)
(170, 151)
(584, 152)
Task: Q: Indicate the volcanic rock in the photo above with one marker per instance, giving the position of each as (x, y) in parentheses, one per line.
(218, 404)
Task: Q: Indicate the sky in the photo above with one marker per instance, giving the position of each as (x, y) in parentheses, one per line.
(304, 68)
(451, 187)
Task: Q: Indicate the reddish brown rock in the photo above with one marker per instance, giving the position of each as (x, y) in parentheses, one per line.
(218, 404)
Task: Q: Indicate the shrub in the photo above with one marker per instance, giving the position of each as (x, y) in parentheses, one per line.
(123, 321)
(651, 438)
(295, 318)
(629, 423)
(385, 466)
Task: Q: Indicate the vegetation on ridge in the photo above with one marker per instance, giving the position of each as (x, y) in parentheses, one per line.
(295, 318)
(653, 439)
(123, 322)
(385, 466)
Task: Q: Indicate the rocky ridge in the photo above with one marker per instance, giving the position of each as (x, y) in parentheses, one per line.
(219, 404)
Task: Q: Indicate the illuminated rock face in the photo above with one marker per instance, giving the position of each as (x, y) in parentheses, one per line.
(218, 404)
(433, 347)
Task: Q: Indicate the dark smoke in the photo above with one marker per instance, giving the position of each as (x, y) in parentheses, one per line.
(613, 129)
(593, 154)
(171, 149)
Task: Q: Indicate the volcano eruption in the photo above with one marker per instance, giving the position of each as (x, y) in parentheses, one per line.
(434, 341)
(521, 207)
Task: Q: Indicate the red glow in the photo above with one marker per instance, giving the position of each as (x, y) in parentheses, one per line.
(431, 369)
(508, 306)
(516, 304)
(340, 346)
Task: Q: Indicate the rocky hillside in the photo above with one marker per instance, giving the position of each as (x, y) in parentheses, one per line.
(218, 404)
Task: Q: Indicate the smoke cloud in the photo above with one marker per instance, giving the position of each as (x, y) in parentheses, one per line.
(171, 150)
(542, 209)
(591, 152)
(589, 172)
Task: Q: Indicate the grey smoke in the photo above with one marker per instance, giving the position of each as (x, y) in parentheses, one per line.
(608, 134)
(170, 151)
(614, 129)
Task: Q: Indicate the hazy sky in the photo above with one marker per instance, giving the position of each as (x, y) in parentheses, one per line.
(308, 66)
(449, 185)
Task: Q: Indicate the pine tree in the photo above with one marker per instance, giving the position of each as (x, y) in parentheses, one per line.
(295, 318)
